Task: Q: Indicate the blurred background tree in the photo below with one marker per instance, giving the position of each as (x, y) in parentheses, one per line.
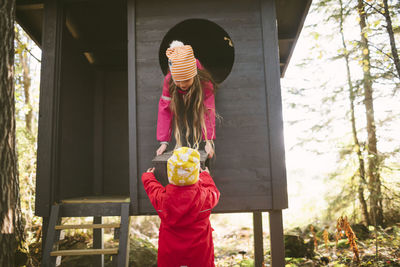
(26, 114)
(341, 104)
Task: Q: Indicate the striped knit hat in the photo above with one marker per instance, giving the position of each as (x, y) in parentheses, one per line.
(181, 61)
(183, 166)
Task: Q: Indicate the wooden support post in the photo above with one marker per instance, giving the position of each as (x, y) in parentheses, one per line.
(98, 183)
(275, 121)
(274, 105)
(277, 243)
(98, 242)
(48, 131)
(98, 142)
(45, 227)
(258, 239)
(52, 236)
(132, 116)
(123, 251)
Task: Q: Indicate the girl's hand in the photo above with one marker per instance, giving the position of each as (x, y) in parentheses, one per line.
(161, 149)
(150, 170)
(209, 150)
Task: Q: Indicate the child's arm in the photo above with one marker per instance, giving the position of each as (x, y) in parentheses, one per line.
(208, 184)
(153, 188)
(209, 116)
(209, 103)
(164, 113)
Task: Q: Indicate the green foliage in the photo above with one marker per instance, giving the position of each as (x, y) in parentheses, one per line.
(341, 254)
(322, 99)
(343, 244)
(26, 98)
(142, 253)
(235, 262)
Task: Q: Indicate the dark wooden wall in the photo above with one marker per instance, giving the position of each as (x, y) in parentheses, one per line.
(93, 123)
(94, 128)
(115, 130)
(101, 120)
(75, 122)
(242, 165)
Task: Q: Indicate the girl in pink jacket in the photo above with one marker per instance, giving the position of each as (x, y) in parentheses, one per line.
(187, 103)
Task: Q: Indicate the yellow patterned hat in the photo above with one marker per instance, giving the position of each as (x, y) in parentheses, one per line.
(183, 166)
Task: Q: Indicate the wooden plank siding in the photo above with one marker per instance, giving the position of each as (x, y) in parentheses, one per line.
(290, 14)
(115, 131)
(132, 107)
(101, 136)
(274, 105)
(76, 122)
(98, 126)
(48, 133)
(287, 33)
(241, 169)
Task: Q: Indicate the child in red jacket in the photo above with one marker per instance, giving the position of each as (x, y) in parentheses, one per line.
(184, 206)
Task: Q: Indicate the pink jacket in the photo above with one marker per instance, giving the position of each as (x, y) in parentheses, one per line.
(185, 237)
(164, 121)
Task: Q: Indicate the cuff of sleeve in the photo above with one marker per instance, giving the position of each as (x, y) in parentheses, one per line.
(164, 143)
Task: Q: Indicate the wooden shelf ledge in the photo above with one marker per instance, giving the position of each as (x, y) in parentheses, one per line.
(96, 199)
(87, 226)
(77, 252)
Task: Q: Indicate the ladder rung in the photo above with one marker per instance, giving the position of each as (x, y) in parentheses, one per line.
(87, 226)
(75, 252)
(96, 199)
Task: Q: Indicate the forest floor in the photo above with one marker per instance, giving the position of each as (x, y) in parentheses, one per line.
(234, 247)
(383, 251)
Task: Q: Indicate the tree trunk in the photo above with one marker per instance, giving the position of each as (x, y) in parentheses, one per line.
(374, 184)
(10, 214)
(27, 86)
(361, 164)
(23, 64)
(389, 29)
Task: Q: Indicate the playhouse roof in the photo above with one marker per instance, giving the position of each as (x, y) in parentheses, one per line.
(290, 16)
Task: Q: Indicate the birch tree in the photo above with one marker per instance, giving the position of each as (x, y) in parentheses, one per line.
(374, 182)
(357, 146)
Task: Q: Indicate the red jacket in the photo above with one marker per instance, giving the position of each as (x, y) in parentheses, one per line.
(185, 237)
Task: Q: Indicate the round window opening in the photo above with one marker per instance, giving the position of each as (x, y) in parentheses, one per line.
(211, 44)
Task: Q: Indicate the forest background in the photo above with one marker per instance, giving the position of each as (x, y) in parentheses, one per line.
(341, 116)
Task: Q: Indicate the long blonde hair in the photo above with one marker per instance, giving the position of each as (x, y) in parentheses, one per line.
(189, 110)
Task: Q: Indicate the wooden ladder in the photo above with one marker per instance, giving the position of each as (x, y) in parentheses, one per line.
(51, 254)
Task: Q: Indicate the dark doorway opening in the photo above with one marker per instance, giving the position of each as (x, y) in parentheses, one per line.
(211, 44)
